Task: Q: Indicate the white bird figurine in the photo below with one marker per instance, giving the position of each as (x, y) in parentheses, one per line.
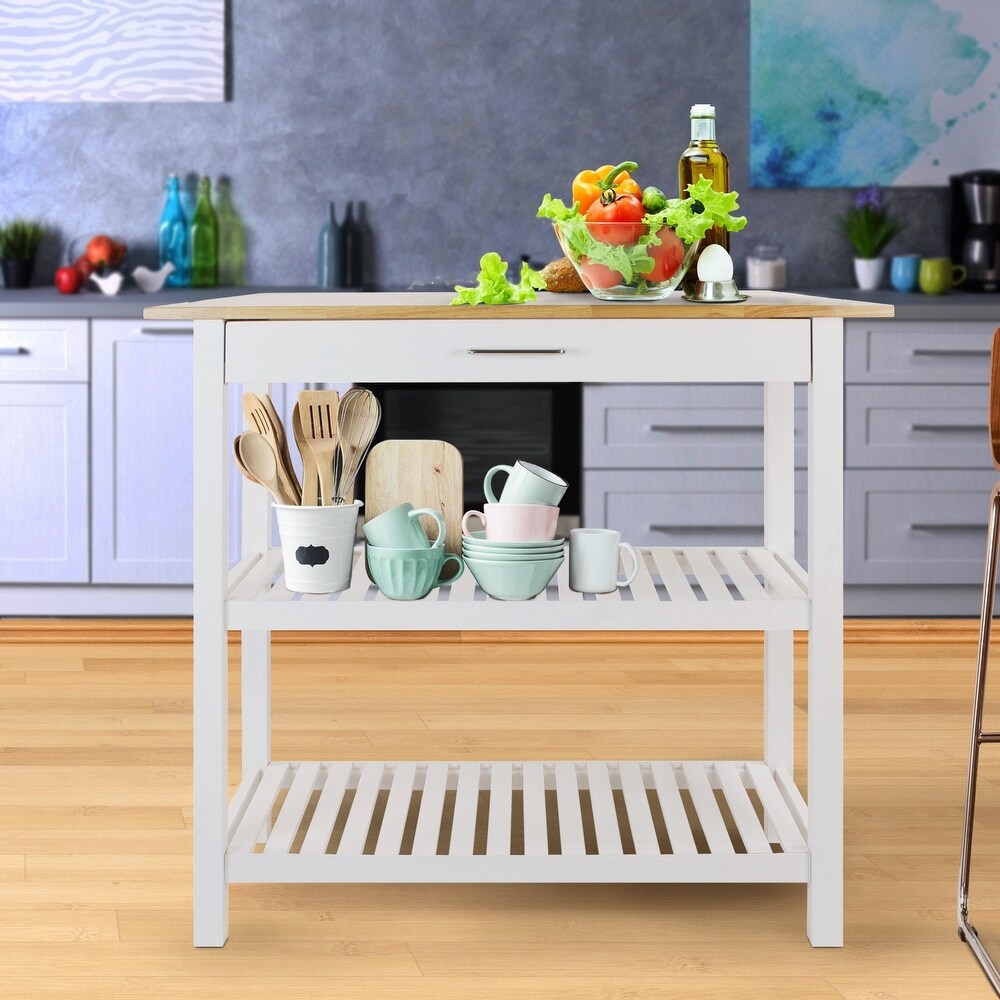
(110, 284)
(152, 281)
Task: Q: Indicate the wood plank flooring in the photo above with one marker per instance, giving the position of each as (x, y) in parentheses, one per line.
(95, 816)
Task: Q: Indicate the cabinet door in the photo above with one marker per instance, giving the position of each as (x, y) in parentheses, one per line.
(143, 436)
(43, 491)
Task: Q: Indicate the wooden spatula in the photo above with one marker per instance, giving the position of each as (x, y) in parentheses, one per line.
(321, 433)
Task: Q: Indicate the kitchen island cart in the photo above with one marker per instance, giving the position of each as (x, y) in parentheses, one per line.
(527, 821)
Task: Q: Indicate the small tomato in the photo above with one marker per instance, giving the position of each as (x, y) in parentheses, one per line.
(618, 221)
(667, 257)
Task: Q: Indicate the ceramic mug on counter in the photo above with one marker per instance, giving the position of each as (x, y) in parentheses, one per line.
(904, 272)
(410, 574)
(526, 483)
(593, 560)
(400, 528)
(515, 522)
(939, 275)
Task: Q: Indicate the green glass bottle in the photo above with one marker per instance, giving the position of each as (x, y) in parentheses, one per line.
(204, 239)
(232, 238)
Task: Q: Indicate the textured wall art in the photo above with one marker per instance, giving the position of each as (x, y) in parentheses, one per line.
(863, 91)
(113, 50)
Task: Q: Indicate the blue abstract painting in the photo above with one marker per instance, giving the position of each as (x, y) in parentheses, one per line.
(898, 92)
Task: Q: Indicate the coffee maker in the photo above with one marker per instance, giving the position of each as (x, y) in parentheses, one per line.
(975, 228)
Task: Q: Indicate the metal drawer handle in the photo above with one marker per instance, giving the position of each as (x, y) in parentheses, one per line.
(949, 352)
(944, 428)
(698, 428)
(706, 527)
(162, 330)
(516, 350)
(946, 527)
(10, 352)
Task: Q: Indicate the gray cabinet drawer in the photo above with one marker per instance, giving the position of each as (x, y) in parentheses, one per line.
(916, 527)
(686, 507)
(918, 351)
(43, 350)
(930, 427)
(680, 426)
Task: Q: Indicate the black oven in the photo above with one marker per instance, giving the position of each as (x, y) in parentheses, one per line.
(492, 425)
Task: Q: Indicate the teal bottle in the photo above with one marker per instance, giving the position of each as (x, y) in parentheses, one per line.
(204, 239)
(174, 237)
(329, 269)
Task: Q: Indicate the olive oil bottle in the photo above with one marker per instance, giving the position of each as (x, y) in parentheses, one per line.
(703, 157)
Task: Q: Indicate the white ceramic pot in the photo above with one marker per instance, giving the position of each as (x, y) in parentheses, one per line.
(317, 546)
(868, 272)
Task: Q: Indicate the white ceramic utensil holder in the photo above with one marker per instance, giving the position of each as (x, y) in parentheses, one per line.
(317, 545)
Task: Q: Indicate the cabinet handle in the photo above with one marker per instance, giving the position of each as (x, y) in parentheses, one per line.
(516, 350)
(949, 352)
(706, 527)
(924, 526)
(164, 330)
(945, 428)
(9, 352)
(697, 428)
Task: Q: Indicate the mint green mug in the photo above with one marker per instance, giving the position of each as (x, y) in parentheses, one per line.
(410, 574)
(400, 528)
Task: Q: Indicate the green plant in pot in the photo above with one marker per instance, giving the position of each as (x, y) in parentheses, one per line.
(19, 241)
(869, 226)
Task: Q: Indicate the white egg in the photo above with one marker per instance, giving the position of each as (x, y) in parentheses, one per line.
(715, 264)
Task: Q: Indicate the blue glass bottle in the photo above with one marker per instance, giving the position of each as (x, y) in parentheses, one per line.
(329, 269)
(174, 237)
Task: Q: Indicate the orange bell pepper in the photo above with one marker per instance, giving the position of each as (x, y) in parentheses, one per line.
(588, 185)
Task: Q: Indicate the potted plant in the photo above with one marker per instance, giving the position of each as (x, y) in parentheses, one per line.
(19, 240)
(869, 227)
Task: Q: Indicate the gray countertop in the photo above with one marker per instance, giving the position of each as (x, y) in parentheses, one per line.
(47, 303)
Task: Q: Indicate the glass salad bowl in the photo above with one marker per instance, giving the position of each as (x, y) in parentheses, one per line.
(625, 261)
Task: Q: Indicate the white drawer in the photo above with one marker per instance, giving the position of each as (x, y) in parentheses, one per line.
(43, 350)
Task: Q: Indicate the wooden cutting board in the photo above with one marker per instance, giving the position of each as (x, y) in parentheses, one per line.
(427, 473)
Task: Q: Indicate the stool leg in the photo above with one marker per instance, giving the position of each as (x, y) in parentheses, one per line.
(965, 930)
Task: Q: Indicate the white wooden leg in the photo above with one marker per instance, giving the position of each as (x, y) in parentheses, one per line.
(779, 536)
(211, 792)
(825, 898)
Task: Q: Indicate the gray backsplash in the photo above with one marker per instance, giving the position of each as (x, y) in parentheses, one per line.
(450, 119)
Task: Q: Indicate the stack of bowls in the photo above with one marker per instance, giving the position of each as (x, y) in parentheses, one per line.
(517, 553)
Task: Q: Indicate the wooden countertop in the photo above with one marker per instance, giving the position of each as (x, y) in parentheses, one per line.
(434, 305)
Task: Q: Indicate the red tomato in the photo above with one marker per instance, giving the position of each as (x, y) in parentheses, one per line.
(667, 257)
(67, 280)
(617, 222)
(598, 275)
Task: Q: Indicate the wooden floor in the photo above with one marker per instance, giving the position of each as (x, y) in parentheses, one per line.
(95, 875)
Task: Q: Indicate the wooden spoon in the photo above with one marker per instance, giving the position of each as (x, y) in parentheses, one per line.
(259, 460)
(239, 461)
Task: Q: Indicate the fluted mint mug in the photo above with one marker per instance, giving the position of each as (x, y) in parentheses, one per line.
(400, 528)
(526, 483)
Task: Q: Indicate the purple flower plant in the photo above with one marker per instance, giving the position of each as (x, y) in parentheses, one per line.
(868, 225)
(869, 197)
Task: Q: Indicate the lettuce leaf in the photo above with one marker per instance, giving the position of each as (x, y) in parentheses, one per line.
(493, 288)
(692, 217)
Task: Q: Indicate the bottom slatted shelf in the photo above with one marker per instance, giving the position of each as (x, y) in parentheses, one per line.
(562, 821)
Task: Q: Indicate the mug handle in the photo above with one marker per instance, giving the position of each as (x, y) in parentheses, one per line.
(488, 481)
(439, 520)
(958, 274)
(472, 513)
(635, 564)
(461, 569)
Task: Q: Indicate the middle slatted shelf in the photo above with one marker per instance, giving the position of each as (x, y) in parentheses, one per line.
(513, 821)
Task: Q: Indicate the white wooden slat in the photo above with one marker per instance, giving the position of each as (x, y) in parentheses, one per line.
(279, 592)
(359, 819)
(390, 835)
(602, 806)
(317, 597)
(568, 804)
(425, 839)
(775, 575)
(241, 800)
(254, 583)
(637, 806)
(796, 804)
(672, 807)
(292, 809)
(672, 575)
(498, 830)
(536, 837)
(741, 575)
(775, 809)
(794, 570)
(259, 809)
(463, 589)
(711, 583)
(642, 587)
(240, 570)
(463, 825)
(325, 814)
(709, 815)
(562, 578)
(751, 832)
(613, 595)
(359, 581)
